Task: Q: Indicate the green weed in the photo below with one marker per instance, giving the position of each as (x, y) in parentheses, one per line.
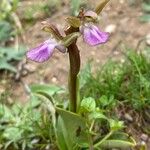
(127, 82)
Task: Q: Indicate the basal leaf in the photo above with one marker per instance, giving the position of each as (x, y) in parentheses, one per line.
(5, 31)
(45, 90)
(146, 7)
(109, 144)
(4, 65)
(74, 130)
(145, 18)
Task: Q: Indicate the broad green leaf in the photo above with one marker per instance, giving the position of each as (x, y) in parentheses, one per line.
(5, 113)
(88, 105)
(5, 31)
(109, 144)
(146, 7)
(45, 90)
(60, 129)
(120, 135)
(12, 133)
(16, 109)
(10, 53)
(74, 129)
(6, 66)
(34, 102)
(145, 18)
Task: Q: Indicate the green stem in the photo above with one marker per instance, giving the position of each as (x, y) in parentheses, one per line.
(74, 58)
(104, 139)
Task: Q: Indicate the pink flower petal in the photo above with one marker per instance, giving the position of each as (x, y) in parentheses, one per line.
(93, 36)
(43, 52)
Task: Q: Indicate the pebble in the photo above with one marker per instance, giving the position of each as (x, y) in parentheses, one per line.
(93, 53)
(35, 141)
(97, 61)
(31, 68)
(144, 137)
(54, 79)
(121, 1)
(47, 147)
(116, 53)
(2, 90)
(128, 117)
(148, 39)
(122, 60)
(111, 28)
(24, 72)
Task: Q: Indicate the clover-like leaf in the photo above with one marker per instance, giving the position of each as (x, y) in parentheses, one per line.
(88, 105)
(115, 125)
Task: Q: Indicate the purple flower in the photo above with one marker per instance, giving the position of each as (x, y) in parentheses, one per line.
(44, 51)
(92, 35)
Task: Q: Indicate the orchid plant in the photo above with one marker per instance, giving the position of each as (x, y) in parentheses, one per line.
(75, 128)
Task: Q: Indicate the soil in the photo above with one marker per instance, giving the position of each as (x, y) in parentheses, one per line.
(118, 13)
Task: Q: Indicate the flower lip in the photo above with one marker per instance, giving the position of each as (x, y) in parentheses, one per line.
(92, 35)
(43, 52)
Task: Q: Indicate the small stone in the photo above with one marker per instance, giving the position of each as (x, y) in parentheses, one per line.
(111, 28)
(47, 147)
(93, 53)
(54, 80)
(24, 73)
(97, 61)
(148, 39)
(144, 137)
(2, 90)
(121, 1)
(128, 117)
(31, 68)
(34, 141)
(116, 53)
(122, 60)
